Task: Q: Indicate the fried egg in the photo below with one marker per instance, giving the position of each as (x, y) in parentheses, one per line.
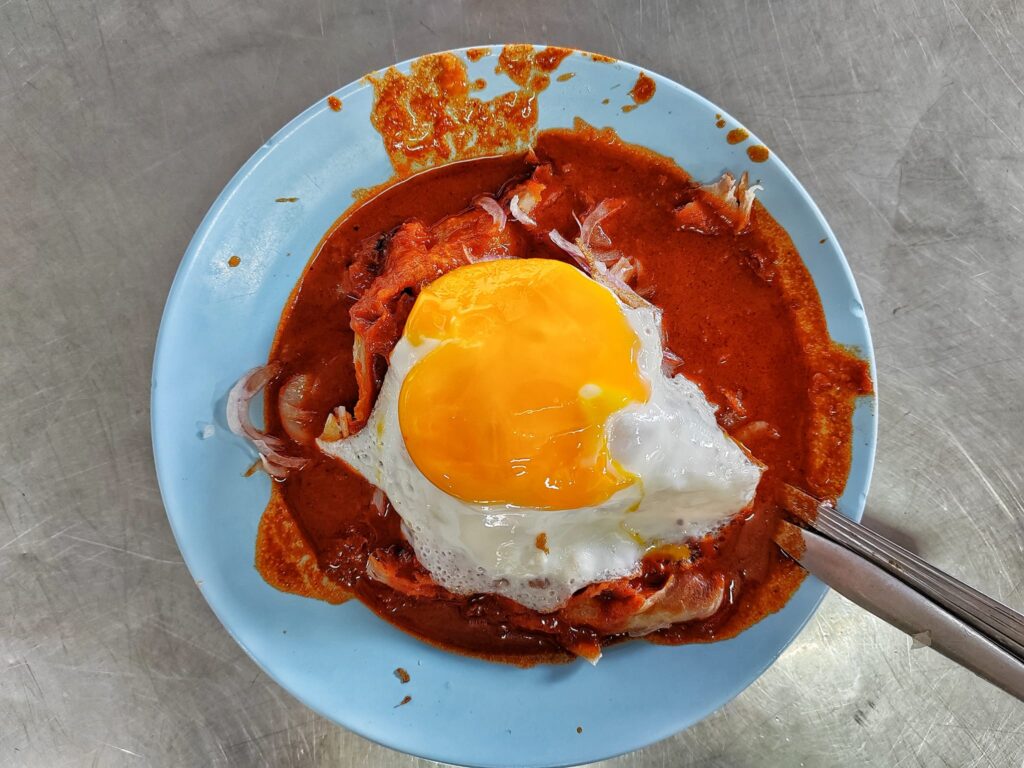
(530, 442)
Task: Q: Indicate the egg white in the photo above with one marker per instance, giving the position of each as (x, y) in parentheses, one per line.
(692, 478)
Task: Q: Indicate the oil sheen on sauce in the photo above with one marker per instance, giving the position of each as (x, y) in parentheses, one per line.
(740, 309)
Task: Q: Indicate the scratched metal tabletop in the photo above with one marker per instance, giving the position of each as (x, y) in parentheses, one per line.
(120, 120)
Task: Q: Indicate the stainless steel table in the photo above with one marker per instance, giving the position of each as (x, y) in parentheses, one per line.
(120, 120)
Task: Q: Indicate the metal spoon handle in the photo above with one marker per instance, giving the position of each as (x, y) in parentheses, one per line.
(998, 622)
(884, 595)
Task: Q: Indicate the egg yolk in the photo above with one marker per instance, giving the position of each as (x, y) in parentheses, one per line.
(528, 359)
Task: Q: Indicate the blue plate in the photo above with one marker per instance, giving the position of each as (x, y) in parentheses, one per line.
(339, 660)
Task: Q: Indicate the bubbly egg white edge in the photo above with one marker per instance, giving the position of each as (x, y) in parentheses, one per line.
(692, 479)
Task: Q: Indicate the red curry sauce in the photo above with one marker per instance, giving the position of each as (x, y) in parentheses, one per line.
(739, 309)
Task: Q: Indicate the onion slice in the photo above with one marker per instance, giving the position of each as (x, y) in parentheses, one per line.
(622, 269)
(519, 214)
(591, 234)
(737, 197)
(296, 420)
(471, 258)
(494, 208)
(275, 461)
(571, 248)
(597, 269)
(377, 501)
(612, 280)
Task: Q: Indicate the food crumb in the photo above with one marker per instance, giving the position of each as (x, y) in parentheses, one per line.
(720, 123)
(628, 107)
(403, 702)
(565, 76)
(475, 54)
(758, 153)
(479, 84)
(736, 135)
(822, 241)
(541, 543)
(402, 676)
(286, 200)
(334, 103)
(579, 729)
(234, 261)
(605, 101)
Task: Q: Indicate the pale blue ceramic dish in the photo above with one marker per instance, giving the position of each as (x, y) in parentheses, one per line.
(339, 660)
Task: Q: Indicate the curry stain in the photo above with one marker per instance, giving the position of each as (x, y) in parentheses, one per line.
(601, 58)
(758, 153)
(541, 542)
(402, 675)
(334, 103)
(736, 135)
(428, 118)
(720, 123)
(234, 261)
(405, 700)
(605, 101)
(823, 241)
(520, 62)
(479, 84)
(565, 76)
(643, 89)
(475, 54)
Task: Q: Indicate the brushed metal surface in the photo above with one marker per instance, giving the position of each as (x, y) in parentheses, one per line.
(120, 122)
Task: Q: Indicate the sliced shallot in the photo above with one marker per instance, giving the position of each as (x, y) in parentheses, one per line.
(571, 248)
(620, 287)
(591, 234)
(737, 196)
(296, 420)
(486, 256)
(377, 501)
(597, 269)
(519, 214)
(494, 208)
(622, 269)
(275, 461)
